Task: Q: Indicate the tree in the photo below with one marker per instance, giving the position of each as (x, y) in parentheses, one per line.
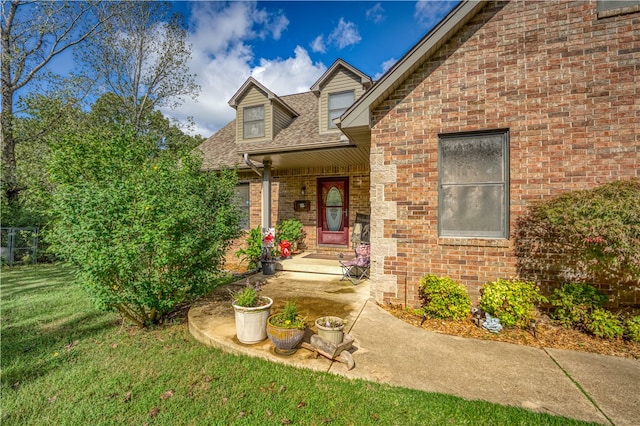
(145, 65)
(145, 228)
(108, 109)
(32, 35)
(47, 119)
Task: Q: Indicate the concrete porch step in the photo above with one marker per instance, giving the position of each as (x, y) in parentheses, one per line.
(309, 262)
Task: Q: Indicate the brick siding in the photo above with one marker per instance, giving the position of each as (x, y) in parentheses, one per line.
(567, 86)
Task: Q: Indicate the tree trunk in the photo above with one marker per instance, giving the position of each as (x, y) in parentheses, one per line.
(9, 178)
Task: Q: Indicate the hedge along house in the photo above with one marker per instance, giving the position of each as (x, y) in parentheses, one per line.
(500, 105)
(292, 160)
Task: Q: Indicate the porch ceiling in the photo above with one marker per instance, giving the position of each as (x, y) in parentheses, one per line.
(347, 155)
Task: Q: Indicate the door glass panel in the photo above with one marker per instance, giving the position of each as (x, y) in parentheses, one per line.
(333, 209)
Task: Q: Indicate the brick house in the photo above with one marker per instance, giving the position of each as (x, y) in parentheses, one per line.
(292, 160)
(500, 104)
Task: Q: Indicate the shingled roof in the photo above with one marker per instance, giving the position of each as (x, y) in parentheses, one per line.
(301, 134)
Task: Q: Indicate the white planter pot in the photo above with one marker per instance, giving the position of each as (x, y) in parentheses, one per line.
(251, 323)
(334, 335)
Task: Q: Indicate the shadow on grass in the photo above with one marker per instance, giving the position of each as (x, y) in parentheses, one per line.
(37, 336)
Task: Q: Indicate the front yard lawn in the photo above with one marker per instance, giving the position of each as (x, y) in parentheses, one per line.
(65, 363)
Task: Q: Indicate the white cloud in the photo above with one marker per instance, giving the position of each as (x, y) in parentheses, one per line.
(385, 67)
(345, 34)
(291, 75)
(375, 14)
(428, 12)
(223, 59)
(317, 45)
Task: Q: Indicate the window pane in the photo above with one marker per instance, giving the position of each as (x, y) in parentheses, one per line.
(243, 200)
(472, 211)
(254, 129)
(472, 159)
(338, 104)
(341, 100)
(253, 113)
(473, 185)
(253, 122)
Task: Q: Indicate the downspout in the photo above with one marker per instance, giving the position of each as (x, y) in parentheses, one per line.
(266, 188)
(249, 163)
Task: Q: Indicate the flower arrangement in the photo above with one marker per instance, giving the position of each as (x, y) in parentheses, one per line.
(289, 318)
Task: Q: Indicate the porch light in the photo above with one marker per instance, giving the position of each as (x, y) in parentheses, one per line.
(303, 190)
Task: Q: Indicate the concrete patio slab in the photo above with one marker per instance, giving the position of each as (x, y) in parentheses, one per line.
(596, 388)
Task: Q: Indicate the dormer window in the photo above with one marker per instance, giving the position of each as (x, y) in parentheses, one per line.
(253, 122)
(338, 104)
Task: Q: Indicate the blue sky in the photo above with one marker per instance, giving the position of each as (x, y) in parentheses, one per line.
(287, 45)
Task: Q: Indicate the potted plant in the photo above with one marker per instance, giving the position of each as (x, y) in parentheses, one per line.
(286, 329)
(268, 254)
(251, 312)
(290, 230)
(331, 329)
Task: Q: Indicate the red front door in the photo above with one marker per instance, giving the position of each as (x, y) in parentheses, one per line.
(333, 211)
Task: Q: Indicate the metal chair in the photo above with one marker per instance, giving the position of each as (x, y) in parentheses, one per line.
(357, 268)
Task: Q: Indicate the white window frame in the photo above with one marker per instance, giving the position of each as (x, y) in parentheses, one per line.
(247, 124)
(333, 113)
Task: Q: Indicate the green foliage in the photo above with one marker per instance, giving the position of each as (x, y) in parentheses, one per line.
(253, 250)
(632, 328)
(249, 295)
(589, 235)
(603, 323)
(289, 317)
(512, 301)
(145, 228)
(444, 298)
(289, 229)
(574, 303)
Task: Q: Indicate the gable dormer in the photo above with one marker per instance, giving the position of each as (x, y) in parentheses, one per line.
(337, 89)
(260, 113)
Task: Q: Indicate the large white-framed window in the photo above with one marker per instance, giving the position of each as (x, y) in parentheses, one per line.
(338, 104)
(253, 122)
(473, 184)
(243, 198)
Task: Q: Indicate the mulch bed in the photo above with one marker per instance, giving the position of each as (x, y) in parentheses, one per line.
(548, 335)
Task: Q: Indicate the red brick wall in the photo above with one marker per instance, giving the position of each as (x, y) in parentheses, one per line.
(567, 86)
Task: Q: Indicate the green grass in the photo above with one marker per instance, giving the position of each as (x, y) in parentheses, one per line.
(64, 363)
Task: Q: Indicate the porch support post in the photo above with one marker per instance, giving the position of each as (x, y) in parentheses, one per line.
(266, 194)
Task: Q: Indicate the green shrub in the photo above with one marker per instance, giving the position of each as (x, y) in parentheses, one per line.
(574, 303)
(591, 233)
(444, 298)
(603, 323)
(251, 253)
(511, 301)
(632, 328)
(145, 228)
(290, 230)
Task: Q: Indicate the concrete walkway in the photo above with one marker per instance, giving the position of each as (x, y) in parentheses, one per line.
(578, 385)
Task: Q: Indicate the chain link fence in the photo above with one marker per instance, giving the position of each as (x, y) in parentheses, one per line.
(18, 245)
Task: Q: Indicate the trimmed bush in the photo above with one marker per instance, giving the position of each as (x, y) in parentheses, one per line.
(603, 323)
(586, 235)
(444, 298)
(632, 328)
(574, 303)
(511, 301)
